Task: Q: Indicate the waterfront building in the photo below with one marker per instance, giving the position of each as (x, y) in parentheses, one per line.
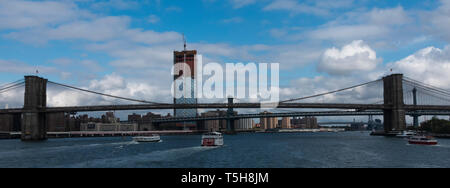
(109, 127)
(10, 122)
(111, 118)
(268, 123)
(305, 123)
(245, 124)
(134, 118)
(213, 125)
(56, 122)
(286, 123)
(217, 125)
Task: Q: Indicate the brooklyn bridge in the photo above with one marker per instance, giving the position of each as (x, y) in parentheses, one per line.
(402, 97)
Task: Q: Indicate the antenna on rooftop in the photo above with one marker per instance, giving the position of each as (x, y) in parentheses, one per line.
(184, 41)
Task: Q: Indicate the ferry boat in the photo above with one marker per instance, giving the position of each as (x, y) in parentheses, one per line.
(422, 140)
(212, 139)
(151, 138)
(406, 134)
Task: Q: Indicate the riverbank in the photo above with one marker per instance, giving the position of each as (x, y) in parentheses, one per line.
(80, 134)
(447, 136)
(393, 134)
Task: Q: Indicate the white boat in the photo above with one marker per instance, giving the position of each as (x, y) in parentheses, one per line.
(406, 134)
(212, 139)
(152, 138)
(422, 140)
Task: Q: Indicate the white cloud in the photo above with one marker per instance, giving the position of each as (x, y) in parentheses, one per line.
(241, 3)
(387, 27)
(437, 22)
(115, 4)
(143, 57)
(389, 16)
(153, 19)
(430, 65)
(20, 14)
(18, 67)
(349, 32)
(303, 87)
(278, 33)
(233, 20)
(112, 84)
(12, 98)
(99, 29)
(354, 57)
(295, 7)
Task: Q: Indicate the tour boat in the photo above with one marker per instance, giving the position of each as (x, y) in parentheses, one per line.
(406, 134)
(422, 140)
(151, 138)
(212, 139)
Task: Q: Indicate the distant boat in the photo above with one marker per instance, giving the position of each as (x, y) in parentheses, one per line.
(152, 138)
(422, 140)
(212, 139)
(406, 134)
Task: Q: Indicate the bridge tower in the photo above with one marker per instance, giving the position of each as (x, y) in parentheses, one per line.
(394, 116)
(415, 116)
(230, 121)
(33, 121)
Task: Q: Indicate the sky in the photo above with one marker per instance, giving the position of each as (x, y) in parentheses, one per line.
(124, 47)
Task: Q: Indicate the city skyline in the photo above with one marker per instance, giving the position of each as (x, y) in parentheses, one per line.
(228, 84)
(120, 49)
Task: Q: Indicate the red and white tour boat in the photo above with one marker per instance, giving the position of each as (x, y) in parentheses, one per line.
(212, 139)
(422, 140)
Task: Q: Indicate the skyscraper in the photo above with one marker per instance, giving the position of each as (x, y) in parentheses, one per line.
(185, 63)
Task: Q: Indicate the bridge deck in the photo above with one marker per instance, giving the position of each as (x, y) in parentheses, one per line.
(359, 107)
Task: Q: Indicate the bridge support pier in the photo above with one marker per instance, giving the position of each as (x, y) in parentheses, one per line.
(230, 121)
(394, 118)
(33, 121)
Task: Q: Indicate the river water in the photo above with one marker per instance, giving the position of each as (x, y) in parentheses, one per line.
(249, 150)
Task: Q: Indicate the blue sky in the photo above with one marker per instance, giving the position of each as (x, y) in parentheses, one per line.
(124, 47)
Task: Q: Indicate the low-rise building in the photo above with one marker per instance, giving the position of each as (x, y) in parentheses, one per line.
(305, 123)
(109, 127)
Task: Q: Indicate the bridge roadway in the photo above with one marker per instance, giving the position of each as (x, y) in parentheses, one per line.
(360, 107)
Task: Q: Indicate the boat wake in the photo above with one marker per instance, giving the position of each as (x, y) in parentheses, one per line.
(56, 149)
(144, 159)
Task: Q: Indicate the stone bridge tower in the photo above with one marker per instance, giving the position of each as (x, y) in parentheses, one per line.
(33, 119)
(394, 116)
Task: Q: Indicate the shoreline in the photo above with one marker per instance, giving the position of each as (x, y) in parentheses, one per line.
(85, 134)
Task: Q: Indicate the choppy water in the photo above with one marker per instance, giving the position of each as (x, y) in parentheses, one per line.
(347, 149)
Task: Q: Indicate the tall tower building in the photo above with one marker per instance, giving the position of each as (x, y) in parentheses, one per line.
(187, 61)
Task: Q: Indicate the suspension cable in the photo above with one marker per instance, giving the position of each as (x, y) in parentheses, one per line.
(415, 82)
(9, 88)
(430, 89)
(331, 92)
(6, 86)
(435, 96)
(103, 94)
